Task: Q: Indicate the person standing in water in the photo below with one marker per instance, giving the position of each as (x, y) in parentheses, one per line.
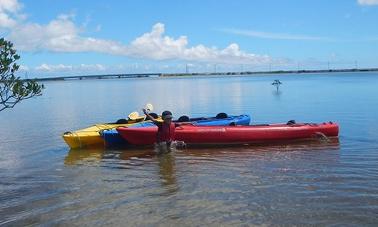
(166, 130)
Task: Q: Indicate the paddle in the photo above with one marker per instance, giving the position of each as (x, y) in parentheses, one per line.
(149, 107)
(135, 115)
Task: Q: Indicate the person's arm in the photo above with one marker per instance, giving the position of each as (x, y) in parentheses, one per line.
(149, 117)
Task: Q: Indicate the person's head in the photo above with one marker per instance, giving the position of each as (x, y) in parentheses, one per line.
(167, 116)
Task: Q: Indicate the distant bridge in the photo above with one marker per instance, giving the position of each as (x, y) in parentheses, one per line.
(140, 75)
(108, 76)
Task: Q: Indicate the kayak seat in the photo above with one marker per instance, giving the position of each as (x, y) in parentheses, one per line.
(183, 118)
(291, 122)
(121, 121)
(221, 116)
(154, 115)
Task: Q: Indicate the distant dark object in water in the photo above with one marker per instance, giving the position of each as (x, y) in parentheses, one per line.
(277, 83)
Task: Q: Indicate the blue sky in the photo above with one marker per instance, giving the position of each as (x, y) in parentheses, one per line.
(64, 37)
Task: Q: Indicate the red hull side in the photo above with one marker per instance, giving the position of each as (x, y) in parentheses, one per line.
(232, 134)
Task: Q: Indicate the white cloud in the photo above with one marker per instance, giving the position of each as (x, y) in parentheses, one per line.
(63, 35)
(23, 68)
(155, 45)
(82, 68)
(269, 35)
(52, 68)
(368, 2)
(9, 13)
(10, 6)
(59, 35)
(95, 67)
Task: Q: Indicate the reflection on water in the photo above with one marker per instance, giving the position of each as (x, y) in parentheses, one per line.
(277, 93)
(167, 171)
(166, 161)
(79, 156)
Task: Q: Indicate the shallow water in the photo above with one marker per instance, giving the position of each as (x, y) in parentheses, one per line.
(43, 182)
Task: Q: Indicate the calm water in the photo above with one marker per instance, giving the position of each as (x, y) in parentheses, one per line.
(307, 183)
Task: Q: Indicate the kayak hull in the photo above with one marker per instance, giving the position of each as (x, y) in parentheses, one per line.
(91, 136)
(113, 139)
(233, 134)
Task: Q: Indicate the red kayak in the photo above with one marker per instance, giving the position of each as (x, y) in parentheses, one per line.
(233, 134)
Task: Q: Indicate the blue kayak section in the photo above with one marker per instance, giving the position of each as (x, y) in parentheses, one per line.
(231, 120)
(113, 139)
(142, 124)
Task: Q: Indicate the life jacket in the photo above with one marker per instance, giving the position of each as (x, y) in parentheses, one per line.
(166, 133)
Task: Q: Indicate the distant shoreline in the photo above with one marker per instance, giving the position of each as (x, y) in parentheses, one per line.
(143, 75)
(271, 72)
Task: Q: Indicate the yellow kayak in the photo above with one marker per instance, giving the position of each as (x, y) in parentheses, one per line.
(90, 137)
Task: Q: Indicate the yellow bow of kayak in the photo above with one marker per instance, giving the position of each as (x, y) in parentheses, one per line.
(91, 137)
